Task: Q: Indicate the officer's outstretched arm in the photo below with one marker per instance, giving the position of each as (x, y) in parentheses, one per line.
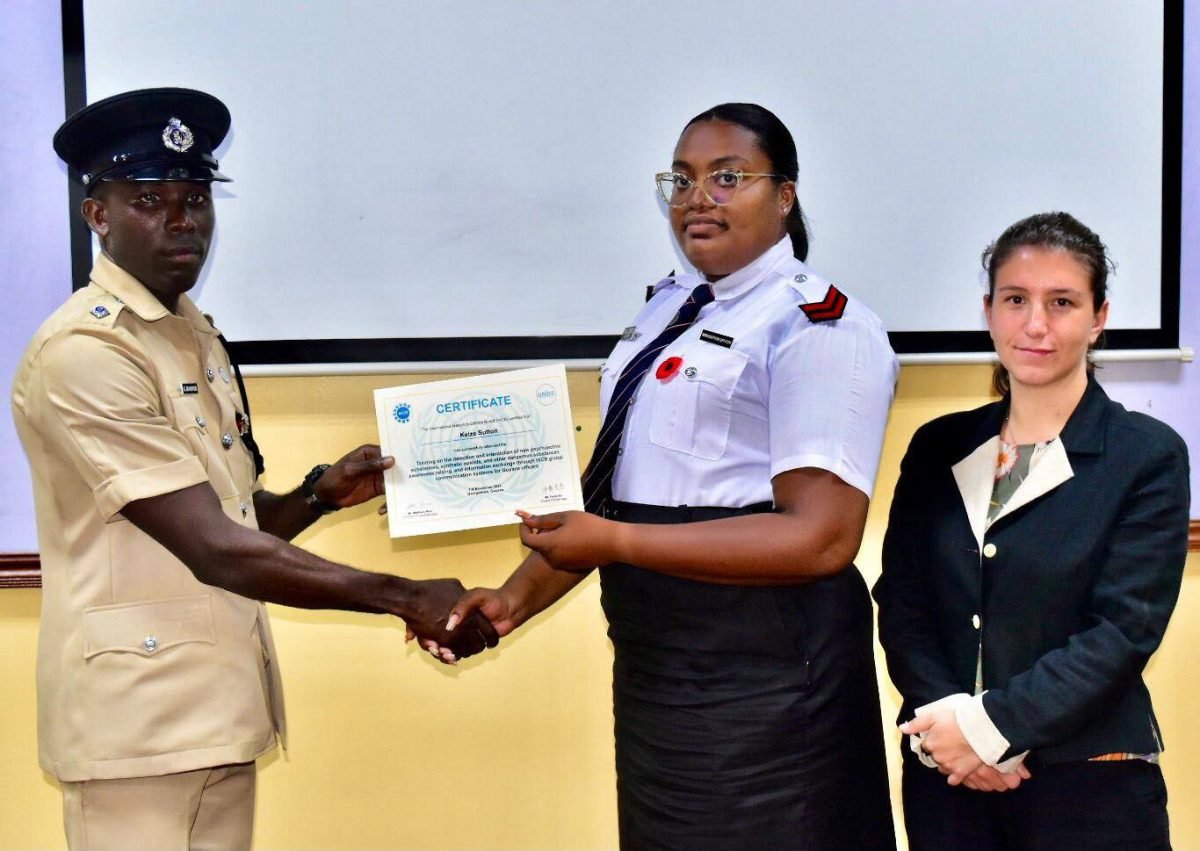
(219, 551)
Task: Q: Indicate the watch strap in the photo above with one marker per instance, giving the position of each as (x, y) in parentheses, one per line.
(309, 492)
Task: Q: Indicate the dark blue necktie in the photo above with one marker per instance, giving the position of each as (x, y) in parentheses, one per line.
(597, 478)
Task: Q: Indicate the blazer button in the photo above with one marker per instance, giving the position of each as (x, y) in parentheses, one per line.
(989, 550)
(227, 441)
(975, 621)
(150, 643)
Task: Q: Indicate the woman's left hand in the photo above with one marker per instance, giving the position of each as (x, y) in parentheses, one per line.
(945, 742)
(570, 540)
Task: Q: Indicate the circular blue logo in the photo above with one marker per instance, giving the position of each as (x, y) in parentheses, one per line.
(402, 412)
(546, 394)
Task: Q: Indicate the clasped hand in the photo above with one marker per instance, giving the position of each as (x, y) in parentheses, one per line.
(570, 540)
(945, 743)
(491, 605)
(431, 619)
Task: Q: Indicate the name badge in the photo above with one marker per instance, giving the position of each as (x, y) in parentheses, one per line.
(715, 338)
(630, 333)
(189, 388)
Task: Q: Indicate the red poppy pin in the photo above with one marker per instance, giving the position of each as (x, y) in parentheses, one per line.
(668, 368)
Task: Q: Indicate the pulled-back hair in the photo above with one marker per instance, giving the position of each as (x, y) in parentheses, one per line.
(776, 142)
(1051, 231)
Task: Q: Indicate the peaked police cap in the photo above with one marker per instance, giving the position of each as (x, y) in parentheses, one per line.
(148, 134)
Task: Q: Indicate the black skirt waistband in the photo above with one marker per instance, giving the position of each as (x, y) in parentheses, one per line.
(636, 512)
(652, 609)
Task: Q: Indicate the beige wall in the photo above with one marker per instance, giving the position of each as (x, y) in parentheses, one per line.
(391, 750)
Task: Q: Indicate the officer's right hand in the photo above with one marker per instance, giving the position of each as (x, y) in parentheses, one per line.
(492, 604)
(429, 611)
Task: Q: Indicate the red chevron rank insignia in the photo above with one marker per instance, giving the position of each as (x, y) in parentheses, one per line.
(827, 309)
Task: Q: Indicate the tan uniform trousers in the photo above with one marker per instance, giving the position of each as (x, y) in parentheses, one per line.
(211, 808)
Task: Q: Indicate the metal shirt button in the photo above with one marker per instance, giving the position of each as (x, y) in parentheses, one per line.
(150, 643)
(200, 421)
(227, 440)
(245, 509)
(975, 621)
(210, 374)
(989, 550)
(690, 372)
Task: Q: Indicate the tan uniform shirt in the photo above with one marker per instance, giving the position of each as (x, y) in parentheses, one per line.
(142, 669)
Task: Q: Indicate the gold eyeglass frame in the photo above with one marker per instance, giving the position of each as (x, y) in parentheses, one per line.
(741, 176)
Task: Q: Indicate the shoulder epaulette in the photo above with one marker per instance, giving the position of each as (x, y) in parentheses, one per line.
(105, 312)
(651, 289)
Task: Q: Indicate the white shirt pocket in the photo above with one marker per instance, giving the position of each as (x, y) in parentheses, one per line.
(693, 409)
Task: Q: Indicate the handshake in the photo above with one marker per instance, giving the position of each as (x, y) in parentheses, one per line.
(453, 623)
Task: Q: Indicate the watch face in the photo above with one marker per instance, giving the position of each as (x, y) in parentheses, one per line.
(309, 490)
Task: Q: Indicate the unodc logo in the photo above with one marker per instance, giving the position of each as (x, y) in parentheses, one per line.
(402, 412)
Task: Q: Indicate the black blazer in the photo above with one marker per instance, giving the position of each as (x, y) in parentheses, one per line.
(1069, 589)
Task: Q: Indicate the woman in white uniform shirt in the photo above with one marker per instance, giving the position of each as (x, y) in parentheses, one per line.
(747, 713)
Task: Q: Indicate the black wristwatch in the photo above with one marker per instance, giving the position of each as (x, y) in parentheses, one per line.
(308, 489)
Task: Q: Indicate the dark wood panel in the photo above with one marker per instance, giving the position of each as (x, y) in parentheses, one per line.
(20, 570)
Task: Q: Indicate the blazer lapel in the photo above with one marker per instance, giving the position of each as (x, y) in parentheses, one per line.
(1050, 471)
(975, 475)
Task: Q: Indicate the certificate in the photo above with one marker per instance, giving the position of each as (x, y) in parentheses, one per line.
(471, 451)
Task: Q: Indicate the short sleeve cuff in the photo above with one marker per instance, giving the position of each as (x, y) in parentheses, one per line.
(115, 493)
(824, 462)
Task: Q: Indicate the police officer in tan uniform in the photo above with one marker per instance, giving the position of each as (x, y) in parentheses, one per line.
(158, 685)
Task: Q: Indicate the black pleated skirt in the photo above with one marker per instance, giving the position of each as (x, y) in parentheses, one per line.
(745, 717)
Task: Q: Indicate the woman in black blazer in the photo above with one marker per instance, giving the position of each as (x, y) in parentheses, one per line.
(1033, 556)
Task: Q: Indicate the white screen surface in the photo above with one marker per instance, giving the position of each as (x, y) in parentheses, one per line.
(408, 169)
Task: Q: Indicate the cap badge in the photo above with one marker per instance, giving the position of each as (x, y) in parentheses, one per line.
(177, 136)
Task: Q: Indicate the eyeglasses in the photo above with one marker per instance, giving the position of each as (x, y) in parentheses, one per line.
(719, 187)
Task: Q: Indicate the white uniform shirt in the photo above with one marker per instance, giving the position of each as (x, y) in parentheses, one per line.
(785, 393)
